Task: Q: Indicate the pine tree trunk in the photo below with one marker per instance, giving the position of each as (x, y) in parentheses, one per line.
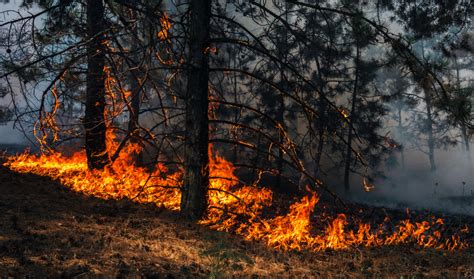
(321, 124)
(465, 137)
(196, 159)
(321, 128)
(400, 129)
(352, 116)
(94, 119)
(464, 134)
(280, 118)
(280, 113)
(429, 127)
(135, 88)
(429, 116)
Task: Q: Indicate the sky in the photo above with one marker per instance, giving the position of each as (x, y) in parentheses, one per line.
(9, 135)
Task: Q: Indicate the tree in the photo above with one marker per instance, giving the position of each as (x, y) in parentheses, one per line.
(196, 145)
(94, 118)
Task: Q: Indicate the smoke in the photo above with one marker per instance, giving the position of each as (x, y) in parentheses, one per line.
(12, 137)
(9, 135)
(449, 189)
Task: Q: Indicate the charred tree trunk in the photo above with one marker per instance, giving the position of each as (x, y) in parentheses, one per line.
(427, 88)
(400, 131)
(352, 116)
(280, 118)
(321, 124)
(429, 128)
(135, 87)
(321, 128)
(464, 134)
(237, 111)
(280, 112)
(465, 137)
(196, 158)
(94, 119)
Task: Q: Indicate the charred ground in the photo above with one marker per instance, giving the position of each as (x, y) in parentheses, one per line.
(48, 230)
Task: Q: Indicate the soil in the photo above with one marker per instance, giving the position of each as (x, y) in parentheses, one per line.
(49, 231)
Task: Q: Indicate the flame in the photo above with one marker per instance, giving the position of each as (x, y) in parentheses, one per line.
(344, 112)
(368, 187)
(234, 207)
(164, 36)
(165, 23)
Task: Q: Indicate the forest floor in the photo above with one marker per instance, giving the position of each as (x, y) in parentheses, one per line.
(48, 231)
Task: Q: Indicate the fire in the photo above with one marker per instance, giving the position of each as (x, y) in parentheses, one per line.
(165, 23)
(165, 56)
(233, 207)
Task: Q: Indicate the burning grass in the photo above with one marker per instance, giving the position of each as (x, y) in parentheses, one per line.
(48, 230)
(237, 208)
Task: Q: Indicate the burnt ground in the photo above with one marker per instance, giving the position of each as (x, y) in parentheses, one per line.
(48, 231)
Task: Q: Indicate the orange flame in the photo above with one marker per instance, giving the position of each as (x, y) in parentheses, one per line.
(165, 23)
(164, 36)
(233, 207)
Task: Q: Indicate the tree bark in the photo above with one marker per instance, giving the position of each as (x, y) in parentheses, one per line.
(429, 127)
(400, 131)
(321, 123)
(135, 88)
(196, 158)
(94, 119)
(464, 134)
(280, 113)
(352, 116)
(280, 118)
(425, 84)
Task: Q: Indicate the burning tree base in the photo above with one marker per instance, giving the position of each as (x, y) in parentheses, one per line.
(238, 208)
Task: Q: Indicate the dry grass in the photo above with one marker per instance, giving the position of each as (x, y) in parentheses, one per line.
(49, 231)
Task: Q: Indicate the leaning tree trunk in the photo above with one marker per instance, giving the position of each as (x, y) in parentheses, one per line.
(196, 158)
(94, 119)
(352, 116)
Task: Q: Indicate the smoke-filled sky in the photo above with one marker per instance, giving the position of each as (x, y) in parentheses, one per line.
(450, 188)
(8, 134)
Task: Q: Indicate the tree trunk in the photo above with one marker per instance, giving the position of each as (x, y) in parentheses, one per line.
(94, 120)
(321, 128)
(321, 124)
(135, 87)
(280, 113)
(237, 111)
(196, 158)
(352, 116)
(280, 118)
(465, 137)
(400, 132)
(464, 134)
(429, 127)
(429, 116)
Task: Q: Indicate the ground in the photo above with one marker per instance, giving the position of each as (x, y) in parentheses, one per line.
(48, 231)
